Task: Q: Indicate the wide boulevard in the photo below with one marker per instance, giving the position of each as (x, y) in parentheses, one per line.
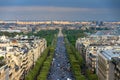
(60, 67)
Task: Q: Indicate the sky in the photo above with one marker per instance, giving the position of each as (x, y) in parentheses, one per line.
(72, 10)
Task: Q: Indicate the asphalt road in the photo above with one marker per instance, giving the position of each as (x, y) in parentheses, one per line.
(60, 67)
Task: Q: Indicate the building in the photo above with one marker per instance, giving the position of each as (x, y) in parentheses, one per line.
(90, 46)
(115, 62)
(92, 55)
(4, 73)
(21, 55)
(105, 70)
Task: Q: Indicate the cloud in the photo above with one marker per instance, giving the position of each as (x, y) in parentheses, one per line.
(63, 3)
(56, 13)
(50, 9)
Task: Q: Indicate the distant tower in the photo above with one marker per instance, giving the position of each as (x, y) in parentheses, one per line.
(101, 23)
(17, 21)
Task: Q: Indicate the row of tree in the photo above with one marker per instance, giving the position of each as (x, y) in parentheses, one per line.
(76, 61)
(75, 57)
(38, 65)
(44, 72)
(41, 69)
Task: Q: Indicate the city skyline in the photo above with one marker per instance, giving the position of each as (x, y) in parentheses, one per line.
(78, 10)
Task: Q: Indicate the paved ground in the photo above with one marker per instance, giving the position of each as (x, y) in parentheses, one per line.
(60, 68)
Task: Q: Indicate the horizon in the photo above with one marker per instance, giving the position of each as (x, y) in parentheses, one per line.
(59, 20)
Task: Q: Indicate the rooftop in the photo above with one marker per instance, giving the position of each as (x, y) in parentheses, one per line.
(108, 54)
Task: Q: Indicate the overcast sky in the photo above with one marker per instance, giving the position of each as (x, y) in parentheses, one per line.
(83, 10)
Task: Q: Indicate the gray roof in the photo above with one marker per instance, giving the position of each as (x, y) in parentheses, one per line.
(108, 54)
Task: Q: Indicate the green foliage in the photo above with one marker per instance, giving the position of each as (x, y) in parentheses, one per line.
(39, 63)
(10, 34)
(42, 66)
(73, 35)
(1, 58)
(91, 76)
(46, 66)
(75, 61)
(77, 55)
(2, 61)
(47, 34)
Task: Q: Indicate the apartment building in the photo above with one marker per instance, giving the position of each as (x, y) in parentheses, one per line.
(21, 54)
(92, 55)
(105, 69)
(90, 46)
